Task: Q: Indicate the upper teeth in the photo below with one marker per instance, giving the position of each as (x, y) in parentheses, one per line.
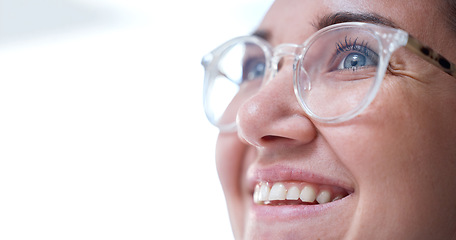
(306, 193)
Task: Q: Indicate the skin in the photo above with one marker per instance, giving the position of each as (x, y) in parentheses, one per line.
(398, 156)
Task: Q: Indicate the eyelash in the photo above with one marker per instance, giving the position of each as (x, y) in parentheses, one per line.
(347, 45)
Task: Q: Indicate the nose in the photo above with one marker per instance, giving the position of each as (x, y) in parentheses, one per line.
(273, 116)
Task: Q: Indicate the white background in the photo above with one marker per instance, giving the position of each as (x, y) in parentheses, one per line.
(102, 133)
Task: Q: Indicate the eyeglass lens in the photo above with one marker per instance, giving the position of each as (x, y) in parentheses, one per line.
(337, 71)
(241, 69)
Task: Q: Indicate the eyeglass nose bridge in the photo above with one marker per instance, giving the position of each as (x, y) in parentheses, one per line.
(281, 51)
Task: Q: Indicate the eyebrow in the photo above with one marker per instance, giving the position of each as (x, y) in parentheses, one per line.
(341, 17)
(413, 44)
(338, 17)
(263, 34)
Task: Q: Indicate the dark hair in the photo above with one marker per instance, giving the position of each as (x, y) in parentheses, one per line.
(449, 10)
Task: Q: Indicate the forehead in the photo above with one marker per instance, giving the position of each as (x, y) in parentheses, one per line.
(294, 20)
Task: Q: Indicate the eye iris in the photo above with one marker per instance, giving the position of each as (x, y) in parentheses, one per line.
(354, 60)
(256, 71)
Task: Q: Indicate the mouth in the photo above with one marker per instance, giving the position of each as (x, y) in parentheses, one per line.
(284, 186)
(297, 193)
(284, 194)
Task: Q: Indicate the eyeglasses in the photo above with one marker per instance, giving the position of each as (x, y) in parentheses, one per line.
(337, 72)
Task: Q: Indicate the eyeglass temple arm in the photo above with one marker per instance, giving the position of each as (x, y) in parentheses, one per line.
(431, 56)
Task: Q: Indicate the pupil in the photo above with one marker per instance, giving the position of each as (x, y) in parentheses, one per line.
(355, 60)
(354, 63)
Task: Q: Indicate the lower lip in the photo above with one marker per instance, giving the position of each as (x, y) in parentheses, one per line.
(294, 212)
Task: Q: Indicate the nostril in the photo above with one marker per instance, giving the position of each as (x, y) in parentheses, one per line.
(280, 64)
(272, 138)
(269, 138)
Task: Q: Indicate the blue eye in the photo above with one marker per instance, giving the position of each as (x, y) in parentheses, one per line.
(354, 55)
(254, 69)
(355, 60)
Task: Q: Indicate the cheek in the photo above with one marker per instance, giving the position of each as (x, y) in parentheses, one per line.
(230, 159)
(399, 151)
(403, 129)
(229, 155)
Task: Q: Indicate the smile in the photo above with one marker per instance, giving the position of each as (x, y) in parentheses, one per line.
(296, 193)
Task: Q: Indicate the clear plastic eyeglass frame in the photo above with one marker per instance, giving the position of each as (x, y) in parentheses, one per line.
(388, 40)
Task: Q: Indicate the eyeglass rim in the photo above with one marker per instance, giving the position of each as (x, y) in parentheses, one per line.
(402, 38)
(210, 61)
(389, 39)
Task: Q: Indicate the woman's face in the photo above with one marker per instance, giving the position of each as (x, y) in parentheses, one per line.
(394, 165)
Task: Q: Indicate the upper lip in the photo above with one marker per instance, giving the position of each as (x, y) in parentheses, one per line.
(280, 173)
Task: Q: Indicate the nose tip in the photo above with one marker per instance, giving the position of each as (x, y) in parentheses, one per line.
(273, 115)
